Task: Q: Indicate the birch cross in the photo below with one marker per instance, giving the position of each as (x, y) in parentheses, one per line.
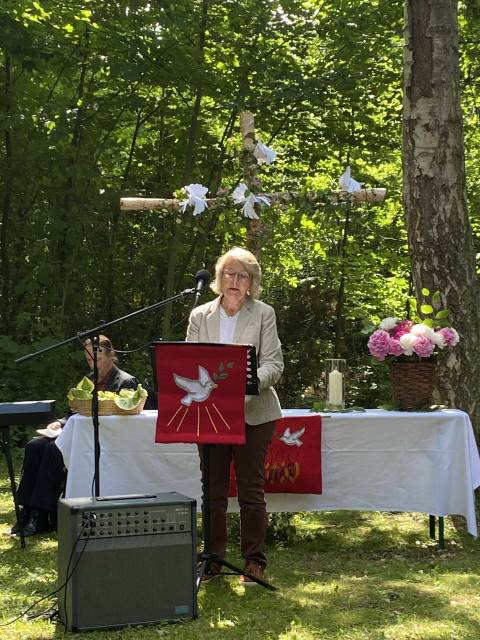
(250, 166)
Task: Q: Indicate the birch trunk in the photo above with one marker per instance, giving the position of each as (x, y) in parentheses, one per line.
(250, 176)
(439, 233)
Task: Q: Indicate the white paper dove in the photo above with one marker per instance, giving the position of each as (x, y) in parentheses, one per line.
(196, 198)
(264, 154)
(249, 201)
(347, 183)
(197, 390)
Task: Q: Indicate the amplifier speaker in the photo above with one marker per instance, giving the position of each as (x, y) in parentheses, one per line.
(126, 560)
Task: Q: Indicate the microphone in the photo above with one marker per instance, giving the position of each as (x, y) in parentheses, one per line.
(202, 278)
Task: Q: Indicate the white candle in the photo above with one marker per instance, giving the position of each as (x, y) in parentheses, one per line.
(335, 388)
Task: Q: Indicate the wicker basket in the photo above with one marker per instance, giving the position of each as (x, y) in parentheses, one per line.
(105, 408)
(84, 407)
(412, 384)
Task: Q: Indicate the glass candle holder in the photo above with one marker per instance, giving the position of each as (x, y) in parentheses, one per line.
(335, 370)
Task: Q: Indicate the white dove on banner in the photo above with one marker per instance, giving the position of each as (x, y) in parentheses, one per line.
(249, 201)
(347, 183)
(264, 154)
(196, 198)
(292, 439)
(197, 390)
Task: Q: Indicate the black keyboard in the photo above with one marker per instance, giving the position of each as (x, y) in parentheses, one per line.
(30, 412)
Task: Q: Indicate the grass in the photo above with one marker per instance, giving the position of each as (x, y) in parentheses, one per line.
(342, 575)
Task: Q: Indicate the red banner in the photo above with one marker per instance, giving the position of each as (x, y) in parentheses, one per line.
(201, 393)
(294, 459)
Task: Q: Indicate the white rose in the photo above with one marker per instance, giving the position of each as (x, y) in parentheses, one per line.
(439, 340)
(408, 341)
(422, 330)
(388, 323)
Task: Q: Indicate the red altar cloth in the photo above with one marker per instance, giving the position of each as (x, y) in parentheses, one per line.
(293, 463)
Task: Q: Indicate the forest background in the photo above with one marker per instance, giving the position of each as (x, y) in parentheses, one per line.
(103, 100)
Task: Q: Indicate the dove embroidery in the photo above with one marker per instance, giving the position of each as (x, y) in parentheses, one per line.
(197, 390)
(292, 439)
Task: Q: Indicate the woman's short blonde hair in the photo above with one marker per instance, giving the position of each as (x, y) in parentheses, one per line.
(250, 264)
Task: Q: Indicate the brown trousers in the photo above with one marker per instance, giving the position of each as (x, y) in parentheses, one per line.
(249, 463)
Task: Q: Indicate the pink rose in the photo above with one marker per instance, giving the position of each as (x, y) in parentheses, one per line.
(450, 336)
(378, 344)
(402, 328)
(423, 347)
(395, 348)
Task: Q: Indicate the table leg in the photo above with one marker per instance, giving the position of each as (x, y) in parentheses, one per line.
(441, 530)
(5, 444)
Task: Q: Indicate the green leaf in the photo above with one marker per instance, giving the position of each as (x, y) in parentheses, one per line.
(229, 365)
(428, 322)
(81, 394)
(85, 384)
(444, 322)
(125, 403)
(436, 297)
(425, 292)
(441, 315)
(426, 309)
(223, 376)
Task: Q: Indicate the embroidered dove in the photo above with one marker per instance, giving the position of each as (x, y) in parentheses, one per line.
(292, 439)
(197, 390)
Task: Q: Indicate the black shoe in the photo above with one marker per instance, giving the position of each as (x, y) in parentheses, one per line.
(37, 523)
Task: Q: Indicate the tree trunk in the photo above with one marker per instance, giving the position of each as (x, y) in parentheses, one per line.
(439, 233)
(174, 245)
(70, 241)
(7, 201)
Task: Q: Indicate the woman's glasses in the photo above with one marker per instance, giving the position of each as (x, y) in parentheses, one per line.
(231, 275)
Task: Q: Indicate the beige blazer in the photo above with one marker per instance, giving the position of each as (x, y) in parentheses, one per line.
(256, 324)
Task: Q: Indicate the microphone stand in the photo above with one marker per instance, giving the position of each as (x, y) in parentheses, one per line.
(94, 334)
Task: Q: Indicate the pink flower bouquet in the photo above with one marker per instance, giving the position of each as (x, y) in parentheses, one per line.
(398, 338)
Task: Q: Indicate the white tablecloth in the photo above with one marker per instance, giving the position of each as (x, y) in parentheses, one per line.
(372, 461)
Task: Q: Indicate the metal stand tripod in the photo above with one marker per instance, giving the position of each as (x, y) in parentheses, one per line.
(207, 557)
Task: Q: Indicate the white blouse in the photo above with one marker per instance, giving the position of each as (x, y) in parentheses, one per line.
(227, 326)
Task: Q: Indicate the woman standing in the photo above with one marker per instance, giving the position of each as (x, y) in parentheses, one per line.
(237, 316)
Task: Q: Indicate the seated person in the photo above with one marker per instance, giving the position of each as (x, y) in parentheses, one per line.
(43, 472)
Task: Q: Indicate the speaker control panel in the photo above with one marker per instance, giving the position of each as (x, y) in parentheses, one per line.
(128, 521)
